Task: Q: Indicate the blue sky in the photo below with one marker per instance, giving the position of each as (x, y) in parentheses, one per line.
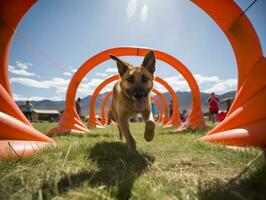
(56, 37)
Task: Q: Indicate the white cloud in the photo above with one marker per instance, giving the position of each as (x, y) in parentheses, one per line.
(28, 82)
(21, 72)
(144, 13)
(20, 69)
(111, 70)
(176, 82)
(101, 74)
(67, 73)
(74, 70)
(131, 8)
(223, 86)
(203, 79)
(88, 88)
(23, 65)
(206, 84)
(19, 97)
(60, 85)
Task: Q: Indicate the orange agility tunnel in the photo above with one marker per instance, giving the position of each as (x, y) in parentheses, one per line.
(175, 118)
(244, 124)
(109, 94)
(17, 137)
(93, 122)
(70, 118)
(165, 116)
(103, 104)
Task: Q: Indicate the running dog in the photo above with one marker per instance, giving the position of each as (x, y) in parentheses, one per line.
(131, 95)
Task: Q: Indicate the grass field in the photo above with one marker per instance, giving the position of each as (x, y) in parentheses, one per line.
(99, 166)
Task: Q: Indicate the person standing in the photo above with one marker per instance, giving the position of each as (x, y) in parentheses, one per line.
(28, 110)
(78, 106)
(183, 115)
(213, 101)
(153, 109)
(171, 108)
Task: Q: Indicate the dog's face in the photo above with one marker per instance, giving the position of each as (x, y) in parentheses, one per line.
(137, 82)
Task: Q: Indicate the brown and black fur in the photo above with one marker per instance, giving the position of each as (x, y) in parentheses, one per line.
(131, 95)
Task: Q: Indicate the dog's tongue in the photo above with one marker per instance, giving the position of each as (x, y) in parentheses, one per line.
(139, 104)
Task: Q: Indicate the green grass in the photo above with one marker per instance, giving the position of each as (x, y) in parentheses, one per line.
(99, 166)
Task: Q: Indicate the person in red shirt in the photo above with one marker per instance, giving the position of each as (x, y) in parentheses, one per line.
(213, 107)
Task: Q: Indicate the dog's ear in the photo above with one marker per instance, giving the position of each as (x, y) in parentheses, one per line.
(121, 65)
(149, 62)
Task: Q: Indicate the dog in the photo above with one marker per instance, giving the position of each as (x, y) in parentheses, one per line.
(131, 95)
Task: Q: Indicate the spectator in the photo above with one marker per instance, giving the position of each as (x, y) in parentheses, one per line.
(28, 110)
(78, 107)
(171, 108)
(213, 107)
(183, 115)
(153, 109)
(221, 115)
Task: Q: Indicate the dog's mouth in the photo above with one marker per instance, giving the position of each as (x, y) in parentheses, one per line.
(139, 96)
(139, 104)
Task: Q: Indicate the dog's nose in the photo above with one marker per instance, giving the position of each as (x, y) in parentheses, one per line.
(139, 95)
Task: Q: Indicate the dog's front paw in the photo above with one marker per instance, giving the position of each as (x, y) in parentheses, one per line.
(149, 131)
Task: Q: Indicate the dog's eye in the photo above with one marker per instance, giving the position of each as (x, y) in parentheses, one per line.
(144, 79)
(130, 79)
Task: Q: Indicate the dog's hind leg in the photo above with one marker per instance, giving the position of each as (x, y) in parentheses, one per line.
(110, 117)
(149, 126)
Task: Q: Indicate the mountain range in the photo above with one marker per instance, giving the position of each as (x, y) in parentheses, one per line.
(184, 100)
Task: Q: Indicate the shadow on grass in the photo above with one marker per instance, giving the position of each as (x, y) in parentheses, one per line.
(251, 186)
(94, 135)
(184, 132)
(116, 167)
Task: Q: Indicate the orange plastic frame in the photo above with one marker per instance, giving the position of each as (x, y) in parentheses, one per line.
(175, 119)
(70, 118)
(103, 121)
(160, 109)
(103, 104)
(245, 123)
(17, 136)
(93, 122)
(109, 94)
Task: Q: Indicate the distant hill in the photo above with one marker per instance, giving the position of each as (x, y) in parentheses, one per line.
(184, 99)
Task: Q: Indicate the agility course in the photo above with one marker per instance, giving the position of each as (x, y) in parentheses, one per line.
(78, 160)
(244, 125)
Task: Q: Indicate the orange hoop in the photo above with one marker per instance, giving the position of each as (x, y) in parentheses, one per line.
(93, 122)
(175, 119)
(165, 116)
(17, 136)
(160, 108)
(103, 104)
(245, 124)
(70, 118)
(109, 94)
(241, 127)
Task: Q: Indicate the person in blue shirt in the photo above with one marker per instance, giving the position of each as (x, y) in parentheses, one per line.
(153, 109)
(28, 110)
